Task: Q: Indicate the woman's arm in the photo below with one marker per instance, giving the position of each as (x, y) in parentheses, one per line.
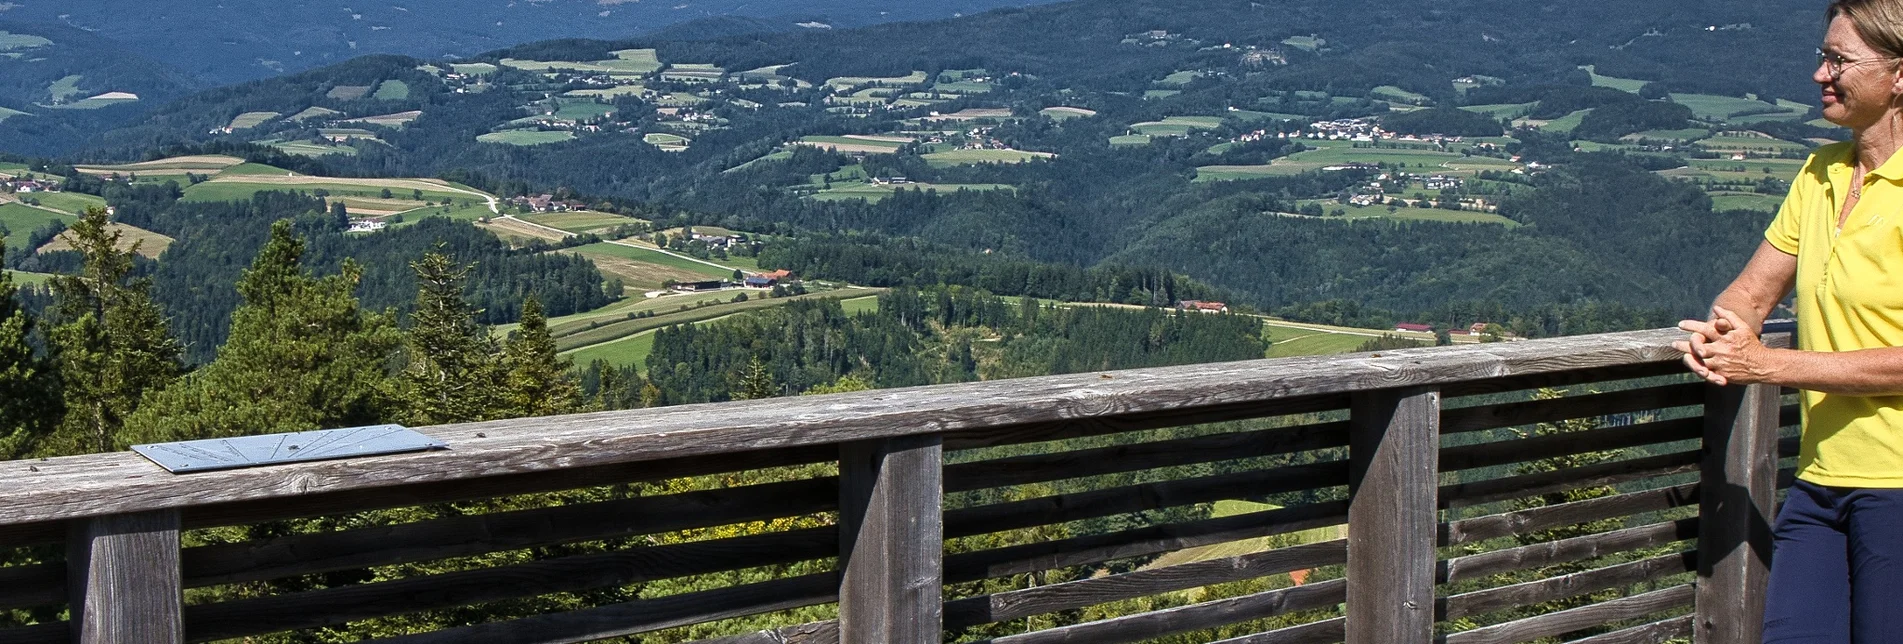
(1764, 282)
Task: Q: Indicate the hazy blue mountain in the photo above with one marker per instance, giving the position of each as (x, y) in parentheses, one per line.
(225, 41)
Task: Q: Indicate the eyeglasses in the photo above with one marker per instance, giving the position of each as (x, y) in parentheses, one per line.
(1836, 63)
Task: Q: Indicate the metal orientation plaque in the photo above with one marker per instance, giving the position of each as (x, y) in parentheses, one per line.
(273, 449)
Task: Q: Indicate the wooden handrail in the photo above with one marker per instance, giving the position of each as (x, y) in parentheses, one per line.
(95, 485)
(121, 517)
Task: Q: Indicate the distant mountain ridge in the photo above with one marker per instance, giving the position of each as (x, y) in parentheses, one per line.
(226, 41)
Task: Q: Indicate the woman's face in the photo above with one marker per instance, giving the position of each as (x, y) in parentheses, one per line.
(1859, 92)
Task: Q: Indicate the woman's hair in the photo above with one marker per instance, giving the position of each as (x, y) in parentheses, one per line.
(1879, 22)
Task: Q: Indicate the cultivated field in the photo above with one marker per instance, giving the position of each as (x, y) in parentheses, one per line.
(1177, 125)
(874, 193)
(309, 149)
(851, 144)
(644, 269)
(579, 222)
(392, 90)
(1621, 84)
(250, 120)
(396, 120)
(314, 112)
(67, 202)
(526, 137)
(1712, 107)
(146, 242)
(348, 92)
(203, 164)
(21, 220)
(64, 88)
(1066, 113)
(1745, 201)
(236, 188)
(1130, 140)
(968, 157)
(473, 69)
(1502, 110)
(7, 113)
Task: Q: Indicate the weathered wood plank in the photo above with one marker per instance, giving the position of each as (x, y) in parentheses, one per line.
(1484, 417)
(1060, 508)
(1525, 485)
(1102, 426)
(1739, 477)
(1327, 631)
(1038, 468)
(826, 632)
(891, 540)
(1391, 519)
(1579, 548)
(581, 572)
(1494, 526)
(32, 585)
(477, 534)
(319, 503)
(1554, 588)
(1657, 632)
(97, 485)
(1573, 619)
(123, 577)
(642, 616)
(1136, 628)
(1609, 373)
(1520, 450)
(1093, 549)
(1006, 606)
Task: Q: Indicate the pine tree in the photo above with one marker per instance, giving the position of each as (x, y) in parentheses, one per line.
(29, 387)
(111, 344)
(453, 373)
(302, 355)
(538, 381)
(757, 382)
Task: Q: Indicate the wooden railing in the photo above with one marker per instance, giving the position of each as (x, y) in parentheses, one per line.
(1069, 508)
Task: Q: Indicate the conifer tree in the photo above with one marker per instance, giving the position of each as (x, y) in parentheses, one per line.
(453, 373)
(29, 388)
(538, 381)
(302, 355)
(756, 382)
(111, 343)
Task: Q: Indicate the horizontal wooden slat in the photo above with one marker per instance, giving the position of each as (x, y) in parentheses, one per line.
(55, 633)
(581, 572)
(105, 484)
(1060, 508)
(1006, 606)
(1566, 550)
(1658, 632)
(1327, 631)
(644, 615)
(826, 632)
(1092, 549)
(1086, 427)
(32, 585)
(1572, 585)
(1526, 485)
(1038, 468)
(477, 534)
(1136, 628)
(1484, 417)
(1494, 526)
(1628, 371)
(1521, 450)
(1573, 619)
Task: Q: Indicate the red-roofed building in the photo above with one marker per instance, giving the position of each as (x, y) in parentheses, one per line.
(1414, 328)
(1202, 307)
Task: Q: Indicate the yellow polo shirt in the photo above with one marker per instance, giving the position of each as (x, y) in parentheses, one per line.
(1849, 294)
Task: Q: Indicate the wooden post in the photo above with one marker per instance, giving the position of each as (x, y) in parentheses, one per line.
(1394, 442)
(891, 540)
(1736, 503)
(123, 571)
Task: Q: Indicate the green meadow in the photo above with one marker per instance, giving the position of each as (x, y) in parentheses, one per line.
(21, 220)
(526, 137)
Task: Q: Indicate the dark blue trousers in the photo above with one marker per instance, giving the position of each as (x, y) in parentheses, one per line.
(1837, 570)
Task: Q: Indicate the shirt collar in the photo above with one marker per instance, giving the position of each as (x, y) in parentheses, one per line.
(1891, 170)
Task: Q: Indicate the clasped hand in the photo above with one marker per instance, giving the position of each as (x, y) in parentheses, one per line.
(1723, 351)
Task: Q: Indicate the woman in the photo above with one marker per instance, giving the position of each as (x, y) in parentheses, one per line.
(1837, 569)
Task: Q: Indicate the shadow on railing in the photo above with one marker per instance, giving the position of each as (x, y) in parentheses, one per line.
(1581, 488)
